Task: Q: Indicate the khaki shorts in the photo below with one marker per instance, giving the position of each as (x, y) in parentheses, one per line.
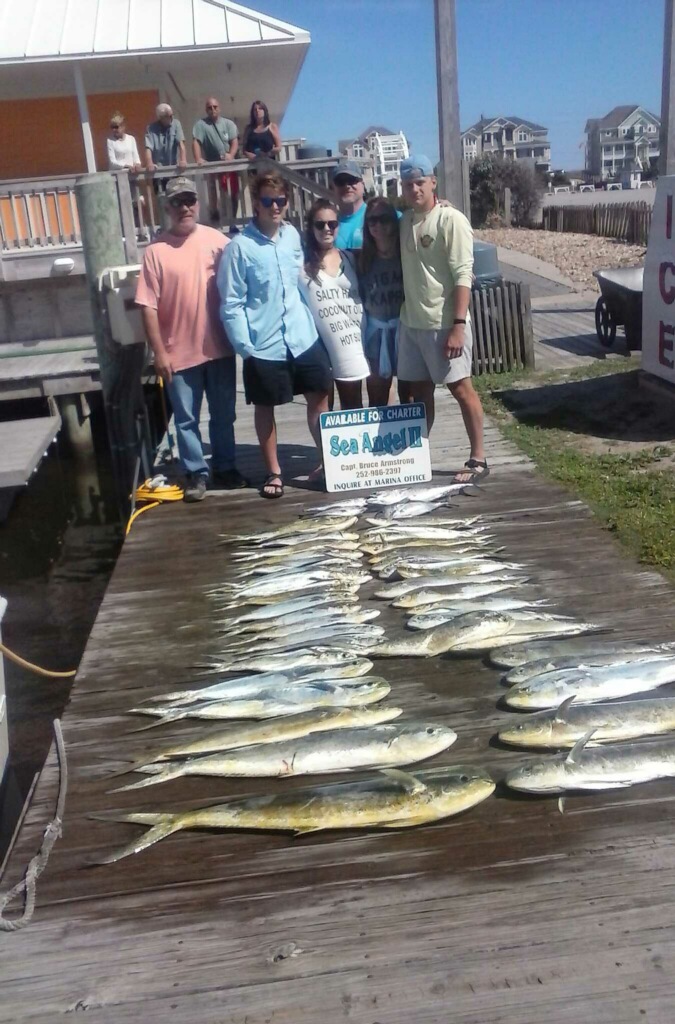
(421, 356)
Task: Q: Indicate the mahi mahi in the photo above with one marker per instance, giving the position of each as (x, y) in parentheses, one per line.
(465, 590)
(394, 799)
(603, 767)
(521, 673)
(339, 750)
(566, 725)
(590, 684)
(521, 653)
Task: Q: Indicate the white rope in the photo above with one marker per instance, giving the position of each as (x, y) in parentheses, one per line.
(27, 885)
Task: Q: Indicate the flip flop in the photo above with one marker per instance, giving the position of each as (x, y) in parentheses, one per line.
(478, 468)
(278, 488)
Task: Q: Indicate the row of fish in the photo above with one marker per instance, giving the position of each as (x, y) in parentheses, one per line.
(578, 689)
(292, 615)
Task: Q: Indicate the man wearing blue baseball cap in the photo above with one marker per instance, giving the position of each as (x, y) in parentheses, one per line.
(348, 188)
(435, 343)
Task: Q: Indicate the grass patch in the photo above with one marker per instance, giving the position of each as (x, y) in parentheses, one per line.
(632, 493)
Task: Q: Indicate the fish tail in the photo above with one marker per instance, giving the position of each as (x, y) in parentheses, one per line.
(163, 825)
(156, 773)
(175, 715)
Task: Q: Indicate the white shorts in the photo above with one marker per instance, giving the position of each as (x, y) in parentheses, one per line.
(421, 356)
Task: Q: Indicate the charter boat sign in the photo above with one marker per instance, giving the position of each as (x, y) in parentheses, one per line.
(381, 446)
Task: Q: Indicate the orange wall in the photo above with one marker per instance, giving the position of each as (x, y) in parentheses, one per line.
(42, 137)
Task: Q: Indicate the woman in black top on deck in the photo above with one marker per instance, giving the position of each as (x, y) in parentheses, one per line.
(261, 137)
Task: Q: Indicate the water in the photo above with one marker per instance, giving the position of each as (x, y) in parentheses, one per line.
(58, 548)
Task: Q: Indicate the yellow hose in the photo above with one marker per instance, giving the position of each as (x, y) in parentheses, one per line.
(34, 668)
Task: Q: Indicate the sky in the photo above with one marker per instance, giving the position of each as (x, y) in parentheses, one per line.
(555, 62)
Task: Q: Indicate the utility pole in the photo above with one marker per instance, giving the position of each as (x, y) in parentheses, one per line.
(448, 103)
(667, 143)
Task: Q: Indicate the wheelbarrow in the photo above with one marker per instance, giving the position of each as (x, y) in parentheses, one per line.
(619, 305)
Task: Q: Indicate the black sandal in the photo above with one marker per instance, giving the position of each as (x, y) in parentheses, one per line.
(278, 488)
(479, 471)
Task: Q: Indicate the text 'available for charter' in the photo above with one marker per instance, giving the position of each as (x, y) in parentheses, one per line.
(377, 447)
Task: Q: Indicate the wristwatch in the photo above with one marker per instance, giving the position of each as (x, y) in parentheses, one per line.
(458, 320)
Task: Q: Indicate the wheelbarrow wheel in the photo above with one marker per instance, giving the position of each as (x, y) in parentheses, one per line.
(605, 328)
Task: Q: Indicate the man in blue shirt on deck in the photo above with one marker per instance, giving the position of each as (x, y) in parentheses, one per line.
(348, 187)
(269, 325)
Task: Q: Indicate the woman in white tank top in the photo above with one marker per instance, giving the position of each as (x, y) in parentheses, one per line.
(330, 287)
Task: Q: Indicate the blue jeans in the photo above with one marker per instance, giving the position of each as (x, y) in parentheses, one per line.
(217, 379)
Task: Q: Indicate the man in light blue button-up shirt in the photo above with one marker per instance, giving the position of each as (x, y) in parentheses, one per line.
(269, 325)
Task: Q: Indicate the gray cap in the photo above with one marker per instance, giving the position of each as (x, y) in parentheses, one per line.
(179, 186)
(348, 167)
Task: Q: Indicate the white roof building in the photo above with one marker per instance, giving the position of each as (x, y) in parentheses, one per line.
(186, 49)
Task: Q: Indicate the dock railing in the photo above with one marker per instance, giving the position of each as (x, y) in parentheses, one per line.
(501, 318)
(40, 215)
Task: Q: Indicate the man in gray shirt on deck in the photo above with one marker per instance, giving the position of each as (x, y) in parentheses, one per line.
(216, 138)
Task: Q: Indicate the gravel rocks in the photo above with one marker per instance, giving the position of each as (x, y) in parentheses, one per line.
(576, 256)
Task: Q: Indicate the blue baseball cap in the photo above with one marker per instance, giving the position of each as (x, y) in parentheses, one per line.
(349, 168)
(414, 167)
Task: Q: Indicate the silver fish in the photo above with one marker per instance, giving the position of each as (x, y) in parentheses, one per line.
(287, 640)
(488, 568)
(394, 799)
(604, 767)
(325, 613)
(394, 543)
(296, 604)
(566, 725)
(352, 668)
(589, 685)
(465, 591)
(350, 506)
(413, 509)
(311, 656)
(339, 750)
(275, 702)
(299, 563)
(437, 616)
(521, 653)
(299, 526)
(522, 673)
(416, 493)
(419, 531)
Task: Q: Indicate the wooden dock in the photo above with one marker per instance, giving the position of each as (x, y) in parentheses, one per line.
(564, 332)
(509, 914)
(22, 446)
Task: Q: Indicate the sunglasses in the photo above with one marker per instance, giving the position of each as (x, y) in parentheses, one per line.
(185, 199)
(380, 218)
(321, 225)
(343, 181)
(212, 106)
(278, 201)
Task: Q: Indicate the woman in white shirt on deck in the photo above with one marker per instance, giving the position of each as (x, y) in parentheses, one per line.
(330, 287)
(122, 148)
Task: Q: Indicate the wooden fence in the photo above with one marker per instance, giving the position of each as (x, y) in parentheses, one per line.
(501, 318)
(629, 222)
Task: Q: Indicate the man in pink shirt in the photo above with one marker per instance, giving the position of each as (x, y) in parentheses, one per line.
(178, 293)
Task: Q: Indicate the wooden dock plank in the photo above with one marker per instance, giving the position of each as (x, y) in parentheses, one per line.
(22, 446)
(510, 914)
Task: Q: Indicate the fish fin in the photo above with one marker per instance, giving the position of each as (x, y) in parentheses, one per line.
(142, 764)
(561, 803)
(307, 831)
(409, 782)
(563, 709)
(572, 757)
